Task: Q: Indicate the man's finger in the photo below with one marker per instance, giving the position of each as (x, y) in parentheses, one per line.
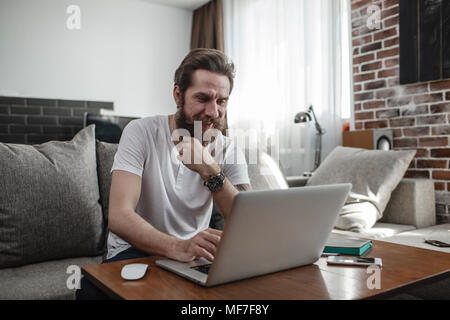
(201, 252)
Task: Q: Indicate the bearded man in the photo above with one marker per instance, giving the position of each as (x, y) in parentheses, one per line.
(165, 175)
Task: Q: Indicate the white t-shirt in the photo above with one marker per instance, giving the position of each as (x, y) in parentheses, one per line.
(173, 198)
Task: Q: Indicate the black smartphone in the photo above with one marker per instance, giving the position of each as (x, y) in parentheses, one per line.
(437, 243)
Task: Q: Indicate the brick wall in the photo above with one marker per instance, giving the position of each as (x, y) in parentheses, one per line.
(417, 113)
(32, 121)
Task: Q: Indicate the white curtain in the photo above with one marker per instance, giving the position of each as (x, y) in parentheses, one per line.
(289, 54)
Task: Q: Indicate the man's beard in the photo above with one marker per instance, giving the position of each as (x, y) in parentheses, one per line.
(183, 123)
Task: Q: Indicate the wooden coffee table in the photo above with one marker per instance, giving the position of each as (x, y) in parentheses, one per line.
(403, 268)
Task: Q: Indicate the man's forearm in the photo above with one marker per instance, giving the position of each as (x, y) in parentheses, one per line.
(224, 197)
(134, 229)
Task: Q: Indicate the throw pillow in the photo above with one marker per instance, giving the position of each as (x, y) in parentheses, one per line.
(374, 174)
(49, 204)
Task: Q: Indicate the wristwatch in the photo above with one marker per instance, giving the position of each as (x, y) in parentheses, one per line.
(215, 182)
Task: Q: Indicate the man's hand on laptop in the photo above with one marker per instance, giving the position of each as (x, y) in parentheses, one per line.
(203, 244)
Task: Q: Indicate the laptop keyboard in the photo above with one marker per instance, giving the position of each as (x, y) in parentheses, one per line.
(204, 268)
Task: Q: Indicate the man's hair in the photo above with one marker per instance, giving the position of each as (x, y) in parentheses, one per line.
(207, 59)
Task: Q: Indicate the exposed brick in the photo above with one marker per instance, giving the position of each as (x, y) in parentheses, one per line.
(390, 42)
(417, 131)
(440, 153)
(357, 23)
(385, 34)
(59, 111)
(389, 113)
(442, 219)
(374, 104)
(386, 93)
(371, 47)
(365, 58)
(426, 98)
(433, 142)
(12, 100)
(57, 129)
(371, 66)
(362, 40)
(357, 107)
(388, 73)
(12, 119)
(440, 130)
(390, 12)
(447, 96)
(441, 174)
(25, 110)
(440, 85)
(355, 51)
(394, 62)
(360, 4)
(388, 53)
(422, 153)
(439, 186)
(72, 103)
(431, 119)
(13, 138)
(427, 163)
(440, 108)
(358, 125)
(416, 88)
(402, 122)
(70, 120)
(394, 82)
(405, 142)
(389, 3)
(363, 96)
(4, 109)
(417, 174)
(25, 128)
(41, 120)
(41, 102)
(397, 133)
(100, 105)
(363, 115)
(376, 124)
(364, 77)
(375, 85)
(413, 110)
(394, 21)
(399, 101)
(357, 87)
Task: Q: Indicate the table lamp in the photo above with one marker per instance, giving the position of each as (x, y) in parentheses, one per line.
(308, 116)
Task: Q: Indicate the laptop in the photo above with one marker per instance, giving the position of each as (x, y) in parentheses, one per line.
(268, 231)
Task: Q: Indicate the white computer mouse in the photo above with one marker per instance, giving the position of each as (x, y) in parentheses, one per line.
(134, 271)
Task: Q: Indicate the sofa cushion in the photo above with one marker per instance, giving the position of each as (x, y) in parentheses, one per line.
(374, 174)
(44, 280)
(49, 204)
(263, 171)
(105, 159)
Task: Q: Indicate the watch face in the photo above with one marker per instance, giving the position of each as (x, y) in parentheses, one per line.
(215, 183)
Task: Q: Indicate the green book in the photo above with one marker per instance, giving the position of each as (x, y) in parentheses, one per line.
(347, 246)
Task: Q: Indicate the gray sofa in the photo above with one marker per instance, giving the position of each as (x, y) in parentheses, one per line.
(45, 243)
(35, 257)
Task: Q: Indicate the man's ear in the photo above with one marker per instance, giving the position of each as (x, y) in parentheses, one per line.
(177, 95)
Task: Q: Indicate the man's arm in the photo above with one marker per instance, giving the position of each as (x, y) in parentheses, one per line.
(191, 149)
(126, 223)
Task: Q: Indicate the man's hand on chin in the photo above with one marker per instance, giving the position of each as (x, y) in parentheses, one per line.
(197, 158)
